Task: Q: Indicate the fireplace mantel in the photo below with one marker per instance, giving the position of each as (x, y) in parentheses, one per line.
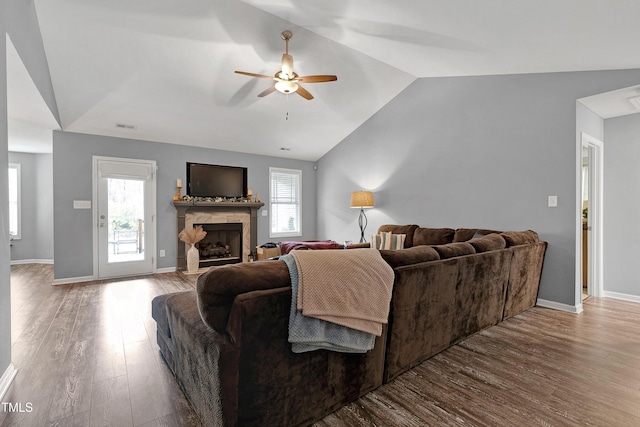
(185, 208)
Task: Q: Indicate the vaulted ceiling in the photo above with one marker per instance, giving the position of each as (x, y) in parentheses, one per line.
(166, 68)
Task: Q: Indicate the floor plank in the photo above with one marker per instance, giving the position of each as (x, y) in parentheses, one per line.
(87, 356)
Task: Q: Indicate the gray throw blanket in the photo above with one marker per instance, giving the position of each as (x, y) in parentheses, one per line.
(309, 333)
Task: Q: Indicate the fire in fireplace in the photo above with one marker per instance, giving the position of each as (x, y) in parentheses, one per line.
(221, 245)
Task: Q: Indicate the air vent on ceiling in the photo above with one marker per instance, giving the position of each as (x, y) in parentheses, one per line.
(635, 101)
(125, 126)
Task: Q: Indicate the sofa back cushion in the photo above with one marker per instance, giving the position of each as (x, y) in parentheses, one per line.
(451, 250)
(490, 242)
(433, 236)
(409, 256)
(515, 238)
(400, 229)
(466, 234)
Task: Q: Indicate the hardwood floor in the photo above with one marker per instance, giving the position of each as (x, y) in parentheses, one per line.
(87, 356)
(86, 353)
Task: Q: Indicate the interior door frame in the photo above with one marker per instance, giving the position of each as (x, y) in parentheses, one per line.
(151, 229)
(595, 218)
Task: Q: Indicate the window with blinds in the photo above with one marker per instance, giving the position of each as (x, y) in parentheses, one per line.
(285, 202)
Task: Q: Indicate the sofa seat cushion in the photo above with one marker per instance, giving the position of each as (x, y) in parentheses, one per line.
(466, 234)
(409, 256)
(451, 250)
(433, 236)
(490, 242)
(515, 238)
(407, 230)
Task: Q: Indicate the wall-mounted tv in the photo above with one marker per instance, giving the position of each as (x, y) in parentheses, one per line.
(216, 181)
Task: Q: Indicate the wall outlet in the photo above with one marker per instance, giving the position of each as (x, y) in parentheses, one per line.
(265, 212)
(553, 201)
(162, 253)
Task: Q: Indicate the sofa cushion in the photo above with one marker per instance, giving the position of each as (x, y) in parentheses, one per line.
(490, 242)
(466, 234)
(409, 256)
(218, 287)
(400, 229)
(515, 238)
(433, 236)
(451, 250)
(388, 240)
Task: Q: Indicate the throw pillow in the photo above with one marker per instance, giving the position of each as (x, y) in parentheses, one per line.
(388, 241)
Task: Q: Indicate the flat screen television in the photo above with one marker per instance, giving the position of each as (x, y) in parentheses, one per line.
(216, 181)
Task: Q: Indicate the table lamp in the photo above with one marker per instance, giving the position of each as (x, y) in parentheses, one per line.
(363, 200)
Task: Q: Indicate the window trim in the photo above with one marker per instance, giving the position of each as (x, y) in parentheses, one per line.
(298, 174)
(18, 168)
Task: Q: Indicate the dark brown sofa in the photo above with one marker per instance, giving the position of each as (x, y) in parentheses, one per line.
(226, 342)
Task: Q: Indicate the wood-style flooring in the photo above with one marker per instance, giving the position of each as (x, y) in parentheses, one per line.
(87, 356)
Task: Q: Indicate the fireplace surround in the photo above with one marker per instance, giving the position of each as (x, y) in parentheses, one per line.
(241, 216)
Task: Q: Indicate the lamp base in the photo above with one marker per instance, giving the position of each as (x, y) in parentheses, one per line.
(362, 222)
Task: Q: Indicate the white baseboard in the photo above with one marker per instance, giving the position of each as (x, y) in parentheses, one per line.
(7, 379)
(81, 279)
(68, 280)
(625, 297)
(31, 261)
(577, 309)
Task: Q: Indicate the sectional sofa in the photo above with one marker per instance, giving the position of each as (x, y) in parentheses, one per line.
(226, 341)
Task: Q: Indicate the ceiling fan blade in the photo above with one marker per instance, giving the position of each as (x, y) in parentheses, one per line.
(267, 91)
(317, 79)
(261, 76)
(304, 93)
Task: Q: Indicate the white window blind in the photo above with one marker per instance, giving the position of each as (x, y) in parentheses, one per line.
(285, 202)
(14, 200)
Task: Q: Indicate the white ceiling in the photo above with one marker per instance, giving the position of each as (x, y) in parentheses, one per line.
(166, 66)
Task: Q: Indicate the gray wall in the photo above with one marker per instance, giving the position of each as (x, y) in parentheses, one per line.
(589, 122)
(5, 288)
(37, 207)
(72, 178)
(471, 152)
(19, 20)
(621, 204)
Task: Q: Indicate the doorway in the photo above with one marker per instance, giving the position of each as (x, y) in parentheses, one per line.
(590, 230)
(124, 194)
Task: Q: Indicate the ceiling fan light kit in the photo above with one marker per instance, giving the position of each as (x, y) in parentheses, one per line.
(286, 80)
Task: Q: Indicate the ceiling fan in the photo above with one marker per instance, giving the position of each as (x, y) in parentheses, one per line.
(286, 80)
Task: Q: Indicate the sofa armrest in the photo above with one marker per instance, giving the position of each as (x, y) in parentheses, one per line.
(218, 288)
(364, 245)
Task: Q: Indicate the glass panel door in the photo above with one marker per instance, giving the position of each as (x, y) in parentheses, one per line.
(126, 203)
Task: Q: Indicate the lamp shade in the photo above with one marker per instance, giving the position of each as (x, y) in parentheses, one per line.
(362, 199)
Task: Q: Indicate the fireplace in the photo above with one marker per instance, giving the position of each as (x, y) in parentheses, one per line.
(219, 214)
(221, 245)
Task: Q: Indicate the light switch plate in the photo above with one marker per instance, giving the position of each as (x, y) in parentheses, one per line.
(265, 213)
(553, 201)
(82, 204)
